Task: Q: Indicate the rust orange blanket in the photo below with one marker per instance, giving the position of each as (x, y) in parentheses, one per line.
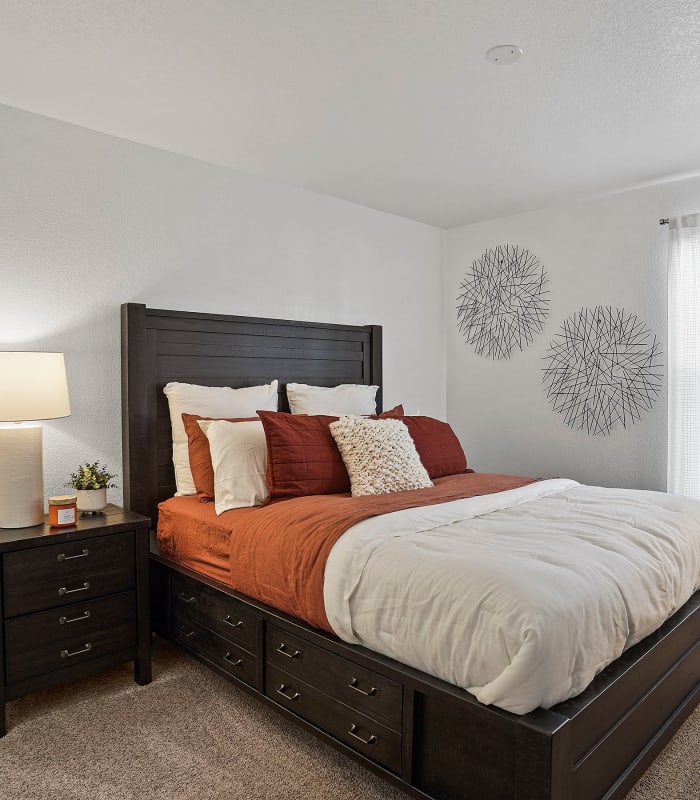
(279, 552)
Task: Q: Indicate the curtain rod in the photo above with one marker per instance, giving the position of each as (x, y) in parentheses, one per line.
(663, 221)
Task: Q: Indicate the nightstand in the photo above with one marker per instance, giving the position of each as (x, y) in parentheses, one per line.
(74, 601)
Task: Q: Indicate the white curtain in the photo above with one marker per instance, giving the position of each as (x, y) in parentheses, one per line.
(684, 356)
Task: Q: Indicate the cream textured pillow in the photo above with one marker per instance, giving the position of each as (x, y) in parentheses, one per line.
(239, 457)
(348, 398)
(379, 455)
(209, 401)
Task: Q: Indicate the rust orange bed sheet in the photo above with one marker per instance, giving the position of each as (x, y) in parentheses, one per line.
(190, 533)
(277, 553)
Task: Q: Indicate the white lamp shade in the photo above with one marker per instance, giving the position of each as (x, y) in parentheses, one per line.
(33, 386)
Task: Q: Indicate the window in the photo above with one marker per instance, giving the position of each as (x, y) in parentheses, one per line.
(684, 356)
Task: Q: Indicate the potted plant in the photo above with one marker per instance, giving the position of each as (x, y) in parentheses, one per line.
(91, 482)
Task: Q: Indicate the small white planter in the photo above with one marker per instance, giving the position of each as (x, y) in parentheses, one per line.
(91, 501)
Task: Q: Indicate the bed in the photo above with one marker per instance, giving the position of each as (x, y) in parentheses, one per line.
(419, 732)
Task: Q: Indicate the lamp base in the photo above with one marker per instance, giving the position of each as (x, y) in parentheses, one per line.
(21, 476)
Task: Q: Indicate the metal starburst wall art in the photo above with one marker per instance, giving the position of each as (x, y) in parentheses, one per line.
(503, 301)
(603, 370)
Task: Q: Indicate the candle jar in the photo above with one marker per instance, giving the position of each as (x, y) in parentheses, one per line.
(63, 511)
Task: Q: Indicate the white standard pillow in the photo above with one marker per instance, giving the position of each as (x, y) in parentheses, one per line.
(348, 398)
(209, 401)
(379, 455)
(239, 457)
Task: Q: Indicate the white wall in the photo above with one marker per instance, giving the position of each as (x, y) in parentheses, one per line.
(88, 222)
(605, 251)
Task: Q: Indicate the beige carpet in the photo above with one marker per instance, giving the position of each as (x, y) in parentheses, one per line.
(190, 734)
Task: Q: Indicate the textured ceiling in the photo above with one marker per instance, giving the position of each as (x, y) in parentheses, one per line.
(387, 103)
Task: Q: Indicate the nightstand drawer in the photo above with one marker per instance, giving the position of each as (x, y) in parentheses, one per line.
(235, 660)
(363, 734)
(39, 643)
(358, 687)
(43, 577)
(224, 616)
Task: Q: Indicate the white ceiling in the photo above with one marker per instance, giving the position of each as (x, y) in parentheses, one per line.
(387, 103)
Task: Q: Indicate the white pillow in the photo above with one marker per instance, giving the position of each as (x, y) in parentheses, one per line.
(209, 401)
(379, 455)
(239, 457)
(348, 398)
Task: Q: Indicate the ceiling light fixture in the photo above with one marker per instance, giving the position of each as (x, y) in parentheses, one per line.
(504, 54)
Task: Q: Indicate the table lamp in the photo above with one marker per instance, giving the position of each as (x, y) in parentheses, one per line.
(32, 387)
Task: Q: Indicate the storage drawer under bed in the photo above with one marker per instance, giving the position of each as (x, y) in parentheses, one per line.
(233, 659)
(357, 687)
(348, 725)
(222, 615)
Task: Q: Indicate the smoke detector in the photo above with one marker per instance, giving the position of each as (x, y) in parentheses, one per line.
(504, 54)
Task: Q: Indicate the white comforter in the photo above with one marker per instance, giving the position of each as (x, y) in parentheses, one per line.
(519, 597)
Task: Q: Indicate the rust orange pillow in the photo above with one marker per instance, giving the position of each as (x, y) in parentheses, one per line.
(200, 456)
(393, 413)
(437, 445)
(302, 456)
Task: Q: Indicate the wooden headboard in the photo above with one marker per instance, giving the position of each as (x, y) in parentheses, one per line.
(160, 346)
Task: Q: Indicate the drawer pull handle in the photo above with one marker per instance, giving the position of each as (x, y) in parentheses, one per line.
(82, 554)
(188, 635)
(371, 693)
(283, 691)
(372, 739)
(63, 590)
(236, 663)
(227, 620)
(67, 620)
(188, 600)
(283, 651)
(69, 653)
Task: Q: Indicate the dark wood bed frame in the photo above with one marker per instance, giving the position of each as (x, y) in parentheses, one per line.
(422, 734)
